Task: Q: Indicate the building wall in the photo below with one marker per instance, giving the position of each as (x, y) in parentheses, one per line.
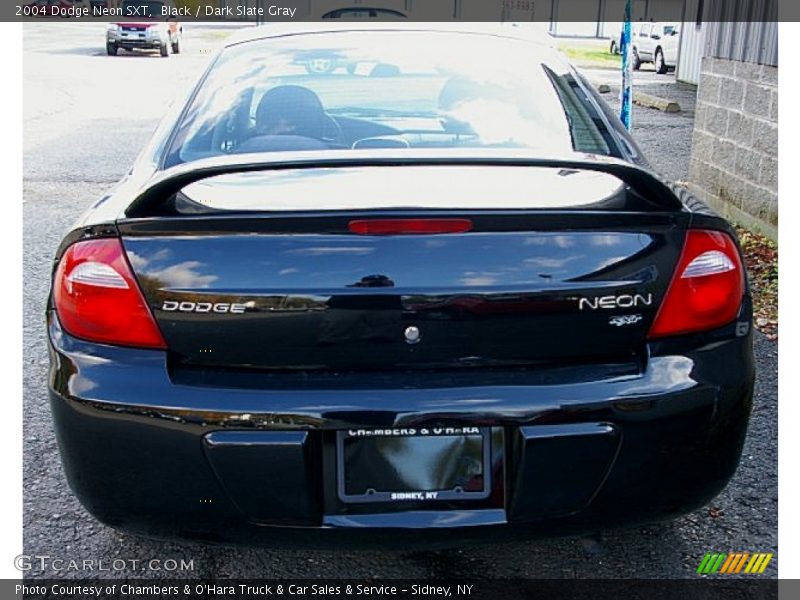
(693, 37)
(734, 162)
(754, 42)
(603, 18)
(692, 47)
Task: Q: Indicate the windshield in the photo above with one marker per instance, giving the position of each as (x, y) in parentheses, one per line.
(382, 89)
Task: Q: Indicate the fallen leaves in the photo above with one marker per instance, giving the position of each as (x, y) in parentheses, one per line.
(761, 261)
(715, 512)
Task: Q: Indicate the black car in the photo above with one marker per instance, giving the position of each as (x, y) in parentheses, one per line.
(439, 290)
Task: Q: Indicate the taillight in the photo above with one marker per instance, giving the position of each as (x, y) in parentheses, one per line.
(706, 289)
(97, 298)
(409, 226)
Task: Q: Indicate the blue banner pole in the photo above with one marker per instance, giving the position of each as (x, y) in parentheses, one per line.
(626, 94)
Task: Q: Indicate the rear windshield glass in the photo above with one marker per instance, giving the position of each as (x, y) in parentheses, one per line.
(397, 90)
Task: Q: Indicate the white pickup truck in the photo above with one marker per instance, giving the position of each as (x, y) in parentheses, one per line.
(656, 43)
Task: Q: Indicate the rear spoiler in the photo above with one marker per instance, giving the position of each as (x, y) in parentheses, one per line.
(167, 183)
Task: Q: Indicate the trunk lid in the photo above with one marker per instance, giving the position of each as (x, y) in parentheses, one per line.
(546, 273)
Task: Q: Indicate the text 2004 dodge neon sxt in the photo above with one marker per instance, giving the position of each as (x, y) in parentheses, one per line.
(398, 278)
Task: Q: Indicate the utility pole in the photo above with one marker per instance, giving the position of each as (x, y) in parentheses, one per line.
(626, 93)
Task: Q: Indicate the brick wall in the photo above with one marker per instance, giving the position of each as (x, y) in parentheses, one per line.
(734, 163)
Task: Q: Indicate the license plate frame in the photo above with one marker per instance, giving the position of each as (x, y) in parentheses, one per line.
(372, 495)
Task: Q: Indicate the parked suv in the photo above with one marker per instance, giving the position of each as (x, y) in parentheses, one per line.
(150, 30)
(656, 43)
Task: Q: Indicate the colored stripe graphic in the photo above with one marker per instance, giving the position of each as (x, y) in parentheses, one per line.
(702, 568)
(718, 564)
(737, 562)
(741, 562)
(757, 564)
(752, 563)
(703, 563)
(726, 566)
(765, 562)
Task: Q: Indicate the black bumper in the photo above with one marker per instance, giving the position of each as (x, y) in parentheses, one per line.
(137, 44)
(252, 457)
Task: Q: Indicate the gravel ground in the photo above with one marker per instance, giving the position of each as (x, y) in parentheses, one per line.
(79, 138)
(665, 137)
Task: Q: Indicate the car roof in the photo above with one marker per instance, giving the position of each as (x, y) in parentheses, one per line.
(529, 32)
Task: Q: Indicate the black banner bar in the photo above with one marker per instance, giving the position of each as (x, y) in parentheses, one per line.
(266, 11)
(746, 588)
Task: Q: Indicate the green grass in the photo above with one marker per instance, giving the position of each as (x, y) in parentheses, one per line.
(591, 57)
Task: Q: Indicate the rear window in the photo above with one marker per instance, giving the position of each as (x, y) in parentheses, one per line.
(384, 90)
(363, 13)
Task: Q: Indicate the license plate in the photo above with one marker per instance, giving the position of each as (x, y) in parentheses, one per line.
(413, 465)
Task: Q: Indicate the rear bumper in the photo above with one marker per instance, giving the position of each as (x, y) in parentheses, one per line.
(156, 452)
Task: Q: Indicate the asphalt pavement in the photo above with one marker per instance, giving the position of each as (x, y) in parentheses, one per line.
(86, 117)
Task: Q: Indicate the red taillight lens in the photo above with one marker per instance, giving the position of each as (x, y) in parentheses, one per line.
(707, 287)
(409, 226)
(97, 298)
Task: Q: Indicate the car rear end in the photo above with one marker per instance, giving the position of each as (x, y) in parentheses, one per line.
(367, 369)
(347, 342)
